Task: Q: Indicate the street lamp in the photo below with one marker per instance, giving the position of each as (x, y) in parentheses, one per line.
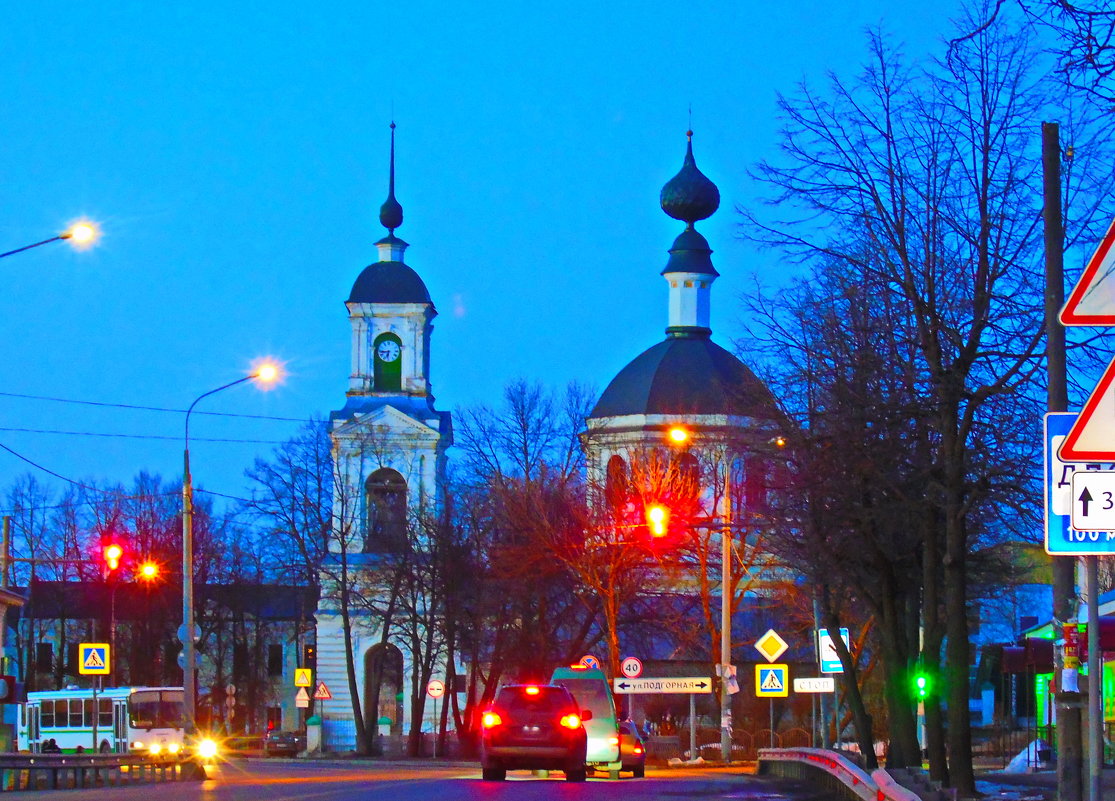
(266, 374)
(81, 234)
(679, 435)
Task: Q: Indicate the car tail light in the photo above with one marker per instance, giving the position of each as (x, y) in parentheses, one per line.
(491, 720)
(613, 741)
(638, 749)
(571, 721)
(532, 690)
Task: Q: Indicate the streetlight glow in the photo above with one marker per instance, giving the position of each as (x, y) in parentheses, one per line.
(148, 570)
(267, 373)
(81, 233)
(678, 434)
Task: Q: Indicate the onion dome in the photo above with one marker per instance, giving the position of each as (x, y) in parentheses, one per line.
(391, 212)
(689, 196)
(686, 374)
(690, 253)
(389, 282)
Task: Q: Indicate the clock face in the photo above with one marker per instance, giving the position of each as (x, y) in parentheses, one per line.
(388, 351)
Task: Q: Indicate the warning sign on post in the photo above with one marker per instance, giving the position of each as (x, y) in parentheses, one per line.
(772, 681)
(93, 658)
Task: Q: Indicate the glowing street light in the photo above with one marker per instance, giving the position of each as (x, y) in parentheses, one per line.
(81, 234)
(265, 374)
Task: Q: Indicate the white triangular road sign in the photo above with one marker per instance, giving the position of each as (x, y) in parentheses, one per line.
(1092, 301)
(1092, 436)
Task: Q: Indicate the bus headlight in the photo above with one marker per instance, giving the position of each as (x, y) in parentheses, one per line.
(137, 745)
(173, 748)
(154, 749)
(207, 748)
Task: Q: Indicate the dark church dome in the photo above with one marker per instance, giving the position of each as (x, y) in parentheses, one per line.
(687, 374)
(389, 282)
(689, 196)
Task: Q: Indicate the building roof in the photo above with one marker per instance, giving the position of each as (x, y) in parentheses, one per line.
(389, 282)
(686, 374)
(76, 600)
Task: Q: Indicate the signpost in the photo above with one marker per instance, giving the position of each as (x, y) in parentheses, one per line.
(772, 681)
(590, 661)
(1062, 538)
(771, 646)
(435, 689)
(826, 651)
(823, 684)
(672, 684)
(303, 677)
(302, 698)
(631, 667)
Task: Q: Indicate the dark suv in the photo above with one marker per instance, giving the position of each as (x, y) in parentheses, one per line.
(533, 727)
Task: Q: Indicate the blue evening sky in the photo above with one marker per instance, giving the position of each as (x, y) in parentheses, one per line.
(235, 155)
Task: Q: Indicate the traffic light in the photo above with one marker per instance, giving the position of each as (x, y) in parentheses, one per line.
(113, 553)
(923, 684)
(658, 520)
(309, 657)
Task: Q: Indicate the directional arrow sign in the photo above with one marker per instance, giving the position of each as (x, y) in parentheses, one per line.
(673, 684)
(1093, 501)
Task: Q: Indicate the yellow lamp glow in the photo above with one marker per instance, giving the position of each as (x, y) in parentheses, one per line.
(678, 434)
(267, 373)
(148, 570)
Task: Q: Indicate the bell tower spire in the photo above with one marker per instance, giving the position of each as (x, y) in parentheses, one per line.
(391, 215)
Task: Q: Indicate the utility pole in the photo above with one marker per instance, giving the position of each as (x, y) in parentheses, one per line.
(1070, 785)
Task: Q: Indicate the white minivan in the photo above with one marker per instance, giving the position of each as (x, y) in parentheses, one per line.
(591, 689)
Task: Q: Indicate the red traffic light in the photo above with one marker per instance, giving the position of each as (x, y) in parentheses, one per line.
(113, 554)
(658, 520)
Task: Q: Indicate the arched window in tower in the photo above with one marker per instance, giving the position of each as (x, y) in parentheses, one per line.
(617, 489)
(387, 363)
(386, 499)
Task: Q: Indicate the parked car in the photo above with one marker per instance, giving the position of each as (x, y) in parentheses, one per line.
(632, 748)
(283, 743)
(533, 727)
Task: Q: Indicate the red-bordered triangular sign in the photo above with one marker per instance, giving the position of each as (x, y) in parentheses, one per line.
(1092, 436)
(1092, 301)
(322, 692)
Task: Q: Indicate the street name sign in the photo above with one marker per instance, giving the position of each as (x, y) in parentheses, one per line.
(672, 684)
(1061, 538)
(772, 681)
(771, 646)
(822, 684)
(1092, 301)
(93, 658)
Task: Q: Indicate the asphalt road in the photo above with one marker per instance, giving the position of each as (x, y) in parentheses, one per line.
(275, 780)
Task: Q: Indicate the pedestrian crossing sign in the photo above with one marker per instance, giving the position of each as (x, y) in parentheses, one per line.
(772, 681)
(303, 677)
(93, 658)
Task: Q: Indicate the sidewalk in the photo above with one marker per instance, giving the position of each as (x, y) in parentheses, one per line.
(1041, 785)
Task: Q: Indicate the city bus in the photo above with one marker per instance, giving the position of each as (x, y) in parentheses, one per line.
(140, 719)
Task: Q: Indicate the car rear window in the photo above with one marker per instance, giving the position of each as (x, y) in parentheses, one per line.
(548, 699)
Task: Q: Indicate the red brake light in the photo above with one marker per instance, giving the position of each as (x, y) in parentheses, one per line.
(578, 667)
(491, 720)
(613, 741)
(638, 749)
(532, 690)
(571, 721)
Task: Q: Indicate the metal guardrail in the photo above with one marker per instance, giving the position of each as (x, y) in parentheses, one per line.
(64, 771)
(835, 772)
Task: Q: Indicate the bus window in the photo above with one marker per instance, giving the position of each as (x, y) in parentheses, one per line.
(47, 714)
(104, 719)
(76, 717)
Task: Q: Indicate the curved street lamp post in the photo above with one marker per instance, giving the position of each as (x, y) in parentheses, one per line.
(267, 374)
(80, 234)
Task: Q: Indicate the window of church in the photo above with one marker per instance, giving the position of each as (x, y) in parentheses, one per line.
(387, 363)
(386, 500)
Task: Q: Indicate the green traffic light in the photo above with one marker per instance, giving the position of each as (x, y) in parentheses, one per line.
(921, 683)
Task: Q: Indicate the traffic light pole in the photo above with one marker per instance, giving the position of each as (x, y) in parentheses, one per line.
(726, 621)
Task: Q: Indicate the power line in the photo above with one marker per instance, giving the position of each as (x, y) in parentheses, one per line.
(141, 436)
(150, 408)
